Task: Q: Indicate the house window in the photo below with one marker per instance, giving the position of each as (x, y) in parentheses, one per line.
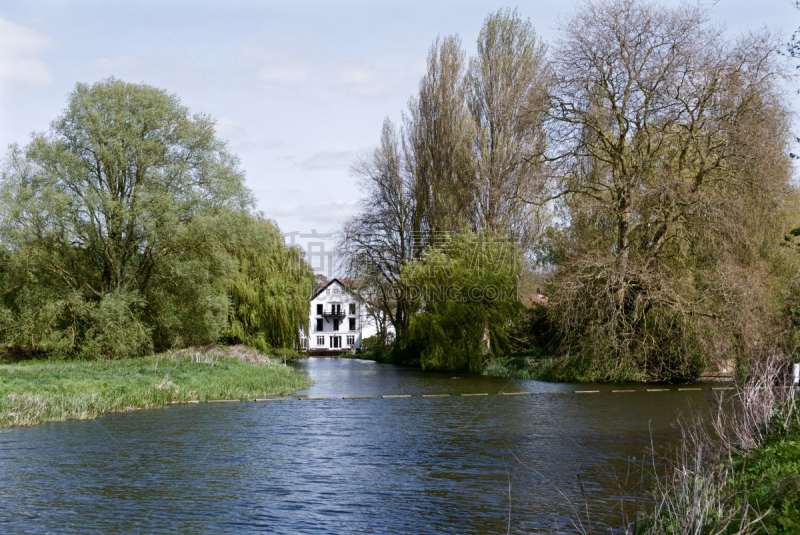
(351, 340)
(319, 309)
(352, 324)
(336, 291)
(352, 309)
(327, 292)
(336, 342)
(336, 325)
(320, 340)
(319, 324)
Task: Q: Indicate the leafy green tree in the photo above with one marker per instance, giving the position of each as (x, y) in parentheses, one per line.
(111, 224)
(269, 291)
(464, 292)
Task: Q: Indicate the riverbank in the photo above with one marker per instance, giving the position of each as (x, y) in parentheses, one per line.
(536, 364)
(519, 366)
(37, 391)
(737, 472)
(542, 366)
(770, 481)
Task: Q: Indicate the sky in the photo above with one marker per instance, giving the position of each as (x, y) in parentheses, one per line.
(299, 89)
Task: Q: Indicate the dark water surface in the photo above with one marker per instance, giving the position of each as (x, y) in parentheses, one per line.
(403, 465)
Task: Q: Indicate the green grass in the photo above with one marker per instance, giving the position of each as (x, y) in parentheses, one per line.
(769, 480)
(516, 366)
(37, 391)
(543, 366)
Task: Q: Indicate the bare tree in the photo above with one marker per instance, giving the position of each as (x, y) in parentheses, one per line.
(668, 136)
(508, 83)
(376, 243)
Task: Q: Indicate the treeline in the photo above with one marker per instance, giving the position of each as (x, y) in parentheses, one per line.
(641, 164)
(127, 228)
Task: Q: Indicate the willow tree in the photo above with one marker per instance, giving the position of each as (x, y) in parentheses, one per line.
(111, 224)
(269, 291)
(675, 185)
(463, 291)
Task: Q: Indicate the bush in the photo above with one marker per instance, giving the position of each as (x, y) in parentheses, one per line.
(535, 328)
(377, 348)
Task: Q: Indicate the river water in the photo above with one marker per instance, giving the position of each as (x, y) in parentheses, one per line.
(457, 464)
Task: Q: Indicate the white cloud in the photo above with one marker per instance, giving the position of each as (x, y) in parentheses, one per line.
(19, 48)
(329, 160)
(327, 212)
(277, 66)
(283, 74)
(363, 80)
(261, 145)
(227, 128)
(121, 65)
(187, 80)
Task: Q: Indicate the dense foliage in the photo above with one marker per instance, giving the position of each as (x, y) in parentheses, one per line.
(643, 166)
(123, 229)
(464, 293)
(268, 303)
(675, 183)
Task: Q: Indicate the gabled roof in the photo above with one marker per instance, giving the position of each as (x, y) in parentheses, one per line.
(327, 285)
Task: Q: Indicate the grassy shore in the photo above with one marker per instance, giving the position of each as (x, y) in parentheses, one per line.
(518, 366)
(769, 481)
(543, 366)
(37, 391)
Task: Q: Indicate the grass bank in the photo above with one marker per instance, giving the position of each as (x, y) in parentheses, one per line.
(37, 391)
(544, 366)
(769, 480)
(522, 365)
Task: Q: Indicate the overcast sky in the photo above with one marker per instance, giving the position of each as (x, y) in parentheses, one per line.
(299, 89)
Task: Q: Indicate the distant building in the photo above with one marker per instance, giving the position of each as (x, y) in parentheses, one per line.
(528, 300)
(338, 320)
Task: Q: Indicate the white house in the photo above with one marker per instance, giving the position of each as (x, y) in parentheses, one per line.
(338, 320)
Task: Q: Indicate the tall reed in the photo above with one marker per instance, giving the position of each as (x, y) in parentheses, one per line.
(697, 488)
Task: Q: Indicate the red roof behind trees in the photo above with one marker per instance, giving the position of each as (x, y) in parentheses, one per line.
(529, 300)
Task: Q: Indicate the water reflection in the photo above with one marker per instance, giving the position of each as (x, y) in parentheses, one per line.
(402, 465)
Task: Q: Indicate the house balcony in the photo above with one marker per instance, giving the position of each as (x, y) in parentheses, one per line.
(333, 314)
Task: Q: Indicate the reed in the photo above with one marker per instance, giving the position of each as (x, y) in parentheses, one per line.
(704, 485)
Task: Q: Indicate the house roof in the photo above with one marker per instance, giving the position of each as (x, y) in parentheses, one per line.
(327, 285)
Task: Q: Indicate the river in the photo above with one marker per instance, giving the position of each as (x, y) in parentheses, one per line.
(456, 464)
